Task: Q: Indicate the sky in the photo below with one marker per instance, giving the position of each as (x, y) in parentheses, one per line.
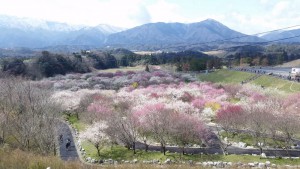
(246, 16)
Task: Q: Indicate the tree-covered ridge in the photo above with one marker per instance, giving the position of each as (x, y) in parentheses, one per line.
(48, 64)
(268, 55)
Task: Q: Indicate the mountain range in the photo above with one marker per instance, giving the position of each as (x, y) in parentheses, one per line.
(284, 35)
(32, 33)
(173, 33)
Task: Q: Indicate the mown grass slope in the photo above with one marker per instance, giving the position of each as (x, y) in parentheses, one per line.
(226, 76)
(284, 85)
(229, 76)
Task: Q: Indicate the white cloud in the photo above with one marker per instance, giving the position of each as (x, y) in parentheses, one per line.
(280, 7)
(92, 12)
(264, 1)
(163, 11)
(273, 14)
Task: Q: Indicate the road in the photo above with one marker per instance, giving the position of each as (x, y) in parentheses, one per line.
(277, 71)
(284, 71)
(71, 153)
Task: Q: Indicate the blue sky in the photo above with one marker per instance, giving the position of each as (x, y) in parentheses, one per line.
(247, 16)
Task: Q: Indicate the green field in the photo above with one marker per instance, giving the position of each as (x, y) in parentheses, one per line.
(228, 76)
(283, 85)
(225, 76)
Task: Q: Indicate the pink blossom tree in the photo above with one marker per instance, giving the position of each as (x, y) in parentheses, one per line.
(157, 119)
(123, 126)
(288, 119)
(100, 109)
(185, 130)
(231, 118)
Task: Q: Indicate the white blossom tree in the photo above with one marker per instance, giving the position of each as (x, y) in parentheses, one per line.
(96, 135)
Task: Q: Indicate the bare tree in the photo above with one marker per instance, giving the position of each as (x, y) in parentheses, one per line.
(30, 115)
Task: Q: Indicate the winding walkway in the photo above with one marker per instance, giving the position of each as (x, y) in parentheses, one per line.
(66, 154)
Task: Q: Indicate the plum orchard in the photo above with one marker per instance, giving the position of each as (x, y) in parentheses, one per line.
(178, 114)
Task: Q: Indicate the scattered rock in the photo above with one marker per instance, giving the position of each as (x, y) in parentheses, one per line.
(261, 165)
(88, 159)
(168, 161)
(242, 145)
(155, 161)
(210, 163)
(251, 164)
(268, 163)
(198, 163)
(220, 164)
(134, 161)
(110, 161)
(263, 155)
(239, 163)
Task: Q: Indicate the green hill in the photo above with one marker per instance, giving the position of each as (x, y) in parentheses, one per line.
(229, 76)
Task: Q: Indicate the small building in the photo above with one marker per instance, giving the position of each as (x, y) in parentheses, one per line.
(295, 74)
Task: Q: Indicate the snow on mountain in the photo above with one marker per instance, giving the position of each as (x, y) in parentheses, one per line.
(35, 33)
(31, 24)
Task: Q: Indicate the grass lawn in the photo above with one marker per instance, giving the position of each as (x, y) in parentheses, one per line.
(284, 85)
(80, 126)
(225, 76)
(248, 139)
(229, 76)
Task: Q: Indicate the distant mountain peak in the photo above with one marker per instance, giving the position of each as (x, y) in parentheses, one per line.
(210, 20)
